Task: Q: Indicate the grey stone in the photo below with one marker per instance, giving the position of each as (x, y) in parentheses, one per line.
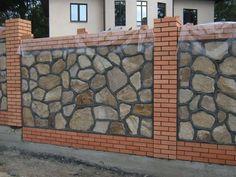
(185, 95)
(147, 77)
(124, 110)
(193, 105)
(145, 95)
(67, 97)
(148, 53)
(2, 63)
(203, 136)
(232, 122)
(183, 113)
(116, 79)
(184, 76)
(86, 74)
(203, 83)
(42, 123)
(98, 81)
(227, 86)
(57, 54)
(43, 69)
(184, 46)
(135, 79)
(228, 67)
(222, 135)
(234, 48)
(114, 58)
(71, 60)
(84, 61)
(65, 79)
(186, 131)
(60, 122)
(132, 49)
(32, 84)
(82, 119)
(103, 50)
(132, 64)
(48, 82)
(54, 94)
(185, 59)
(25, 85)
(28, 119)
(24, 72)
(221, 116)
(38, 94)
(2, 48)
(203, 120)
(127, 94)
(4, 88)
(90, 52)
(68, 110)
(204, 65)
(78, 85)
(3, 76)
(80, 51)
(133, 124)
(74, 70)
(226, 103)
(33, 74)
(44, 56)
(105, 113)
(208, 103)
(101, 64)
(40, 109)
(28, 60)
(146, 128)
(197, 48)
(85, 98)
(55, 107)
(4, 104)
(105, 97)
(216, 50)
(117, 128)
(58, 67)
(27, 99)
(143, 110)
(101, 126)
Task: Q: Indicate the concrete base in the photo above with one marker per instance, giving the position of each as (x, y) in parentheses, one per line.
(129, 163)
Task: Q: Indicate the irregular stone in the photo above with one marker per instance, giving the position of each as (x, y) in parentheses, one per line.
(127, 94)
(65, 79)
(208, 103)
(183, 113)
(105, 97)
(203, 83)
(132, 64)
(67, 110)
(71, 60)
(74, 70)
(147, 75)
(58, 67)
(55, 107)
(145, 95)
(82, 119)
(124, 110)
(90, 52)
(105, 113)
(197, 48)
(60, 122)
(228, 67)
(43, 69)
(184, 76)
(222, 135)
(38, 94)
(186, 131)
(32, 84)
(85, 98)
(232, 122)
(28, 60)
(135, 79)
(226, 103)
(25, 85)
(133, 124)
(117, 128)
(2, 48)
(40, 109)
(103, 50)
(234, 51)
(98, 81)
(216, 50)
(114, 58)
(203, 120)
(185, 59)
(204, 136)
(84, 61)
(24, 72)
(28, 117)
(42, 123)
(3, 63)
(78, 85)
(148, 53)
(57, 54)
(146, 128)
(101, 64)
(185, 95)
(227, 86)
(221, 116)
(54, 94)
(101, 126)
(184, 46)
(193, 105)
(204, 65)
(4, 88)
(3, 76)
(116, 79)
(44, 56)
(27, 99)
(33, 74)
(4, 104)
(80, 51)
(132, 49)
(143, 110)
(48, 82)
(67, 97)
(86, 74)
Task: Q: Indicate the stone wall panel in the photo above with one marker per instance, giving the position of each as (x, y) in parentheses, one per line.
(3, 76)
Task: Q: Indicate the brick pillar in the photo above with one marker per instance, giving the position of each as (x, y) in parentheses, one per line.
(165, 87)
(14, 31)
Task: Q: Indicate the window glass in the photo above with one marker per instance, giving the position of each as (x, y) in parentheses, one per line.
(190, 16)
(78, 12)
(142, 13)
(74, 12)
(120, 13)
(83, 12)
(161, 10)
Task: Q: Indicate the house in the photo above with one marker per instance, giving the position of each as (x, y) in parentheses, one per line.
(66, 16)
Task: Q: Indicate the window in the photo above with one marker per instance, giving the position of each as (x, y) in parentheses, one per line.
(120, 13)
(78, 13)
(190, 16)
(141, 13)
(161, 10)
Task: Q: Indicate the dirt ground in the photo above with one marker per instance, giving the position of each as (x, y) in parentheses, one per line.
(14, 163)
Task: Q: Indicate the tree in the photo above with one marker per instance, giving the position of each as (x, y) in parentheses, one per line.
(225, 10)
(34, 10)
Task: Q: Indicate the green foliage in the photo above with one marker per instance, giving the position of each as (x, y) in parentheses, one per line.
(33, 10)
(225, 10)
